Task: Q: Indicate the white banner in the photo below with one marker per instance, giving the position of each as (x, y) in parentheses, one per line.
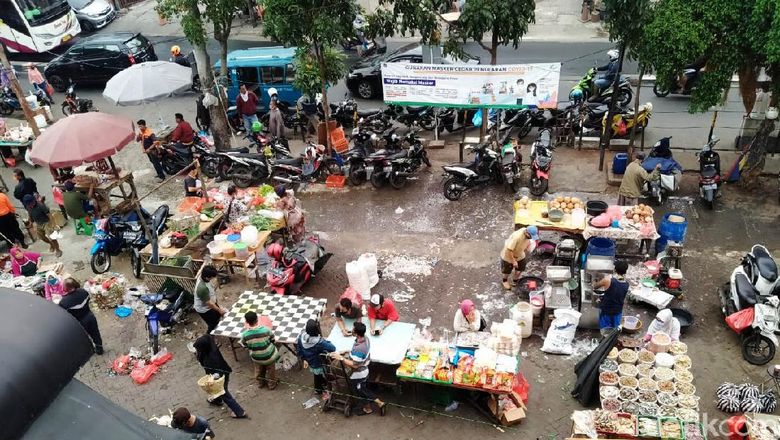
(466, 85)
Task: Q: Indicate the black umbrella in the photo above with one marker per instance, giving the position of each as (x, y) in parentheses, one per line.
(586, 389)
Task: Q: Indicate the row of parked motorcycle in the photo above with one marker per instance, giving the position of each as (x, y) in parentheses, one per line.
(9, 103)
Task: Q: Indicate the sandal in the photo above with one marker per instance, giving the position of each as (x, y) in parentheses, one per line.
(242, 416)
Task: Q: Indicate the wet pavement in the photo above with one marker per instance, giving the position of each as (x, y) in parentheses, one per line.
(434, 253)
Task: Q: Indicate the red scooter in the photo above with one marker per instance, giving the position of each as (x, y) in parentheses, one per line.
(291, 268)
(541, 162)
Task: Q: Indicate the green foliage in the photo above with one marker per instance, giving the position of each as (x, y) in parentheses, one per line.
(221, 13)
(308, 78)
(189, 14)
(506, 20)
(625, 22)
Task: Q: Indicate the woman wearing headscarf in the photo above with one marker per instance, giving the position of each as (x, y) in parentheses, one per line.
(212, 362)
(311, 345)
(53, 285)
(666, 323)
(24, 262)
(468, 318)
(293, 214)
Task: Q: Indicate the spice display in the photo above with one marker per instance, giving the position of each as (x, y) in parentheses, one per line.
(678, 347)
(648, 427)
(693, 432)
(609, 392)
(646, 357)
(682, 361)
(688, 401)
(627, 356)
(685, 388)
(671, 429)
(645, 370)
(667, 386)
(688, 415)
(608, 365)
(608, 378)
(683, 376)
(667, 399)
(647, 396)
(628, 394)
(628, 382)
(667, 411)
(663, 373)
(610, 405)
(648, 409)
(645, 383)
(628, 370)
(630, 407)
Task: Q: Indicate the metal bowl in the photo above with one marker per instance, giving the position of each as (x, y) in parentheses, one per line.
(555, 215)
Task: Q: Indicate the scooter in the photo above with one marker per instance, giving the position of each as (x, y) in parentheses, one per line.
(668, 182)
(9, 103)
(312, 165)
(405, 167)
(115, 234)
(291, 269)
(692, 81)
(585, 90)
(541, 162)
(246, 169)
(709, 173)
(355, 160)
(761, 269)
(484, 170)
(622, 123)
(759, 342)
(527, 118)
(74, 104)
(163, 311)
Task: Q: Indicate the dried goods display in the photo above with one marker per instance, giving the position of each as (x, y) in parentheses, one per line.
(608, 365)
(667, 399)
(646, 357)
(682, 361)
(615, 423)
(645, 383)
(667, 386)
(628, 370)
(610, 405)
(663, 373)
(688, 401)
(647, 396)
(628, 382)
(683, 376)
(693, 431)
(628, 394)
(608, 378)
(648, 427)
(627, 356)
(609, 392)
(613, 354)
(645, 370)
(648, 409)
(667, 411)
(678, 347)
(688, 415)
(629, 407)
(684, 388)
(671, 429)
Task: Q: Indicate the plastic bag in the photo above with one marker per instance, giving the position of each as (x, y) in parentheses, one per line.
(741, 320)
(354, 296)
(561, 332)
(521, 386)
(161, 358)
(121, 365)
(477, 119)
(141, 375)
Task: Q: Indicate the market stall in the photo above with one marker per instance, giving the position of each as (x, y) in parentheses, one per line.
(288, 314)
(19, 137)
(762, 426)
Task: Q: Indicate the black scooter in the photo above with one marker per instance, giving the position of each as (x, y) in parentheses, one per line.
(709, 173)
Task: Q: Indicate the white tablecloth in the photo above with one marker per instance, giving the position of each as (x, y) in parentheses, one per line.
(388, 348)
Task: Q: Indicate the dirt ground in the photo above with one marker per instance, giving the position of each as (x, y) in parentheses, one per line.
(435, 253)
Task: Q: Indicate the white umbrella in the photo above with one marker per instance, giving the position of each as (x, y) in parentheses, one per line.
(147, 82)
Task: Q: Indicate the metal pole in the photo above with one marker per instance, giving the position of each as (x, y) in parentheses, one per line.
(436, 123)
(28, 114)
(607, 126)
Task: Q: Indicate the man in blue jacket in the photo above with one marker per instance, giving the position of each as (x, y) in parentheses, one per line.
(311, 345)
(611, 71)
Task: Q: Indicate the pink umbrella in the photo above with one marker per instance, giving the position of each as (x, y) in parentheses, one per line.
(83, 137)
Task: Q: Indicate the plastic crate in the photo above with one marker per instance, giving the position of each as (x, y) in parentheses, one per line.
(701, 428)
(617, 435)
(675, 420)
(335, 181)
(643, 434)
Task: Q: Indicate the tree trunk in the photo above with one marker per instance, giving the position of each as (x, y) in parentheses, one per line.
(607, 135)
(325, 106)
(636, 112)
(756, 156)
(219, 124)
(748, 81)
(223, 51)
(493, 61)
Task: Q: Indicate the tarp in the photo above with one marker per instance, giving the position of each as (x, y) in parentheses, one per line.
(78, 412)
(586, 389)
(472, 86)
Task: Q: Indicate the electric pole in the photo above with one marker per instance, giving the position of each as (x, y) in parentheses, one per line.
(28, 114)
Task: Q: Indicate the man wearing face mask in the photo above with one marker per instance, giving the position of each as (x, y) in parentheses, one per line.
(246, 104)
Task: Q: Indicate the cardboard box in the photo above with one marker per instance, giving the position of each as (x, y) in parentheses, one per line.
(511, 417)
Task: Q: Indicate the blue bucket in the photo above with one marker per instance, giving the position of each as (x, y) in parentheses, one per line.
(671, 230)
(619, 163)
(601, 246)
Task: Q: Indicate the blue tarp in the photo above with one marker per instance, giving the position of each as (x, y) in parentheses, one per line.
(667, 165)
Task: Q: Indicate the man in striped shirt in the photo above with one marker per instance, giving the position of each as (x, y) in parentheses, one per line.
(259, 339)
(358, 360)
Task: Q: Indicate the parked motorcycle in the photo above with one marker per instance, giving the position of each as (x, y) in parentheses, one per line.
(709, 173)
(668, 182)
(174, 157)
(246, 169)
(761, 269)
(541, 162)
(759, 342)
(526, 119)
(378, 165)
(355, 160)
(312, 165)
(9, 103)
(486, 169)
(74, 104)
(116, 234)
(623, 123)
(290, 269)
(422, 116)
(585, 90)
(163, 310)
(402, 168)
(343, 112)
(453, 119)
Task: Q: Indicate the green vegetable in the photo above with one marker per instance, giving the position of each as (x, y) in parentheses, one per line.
(266, 189)
(261, 223)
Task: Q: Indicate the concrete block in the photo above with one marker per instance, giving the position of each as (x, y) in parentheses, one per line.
(436, 145)
(612, 178)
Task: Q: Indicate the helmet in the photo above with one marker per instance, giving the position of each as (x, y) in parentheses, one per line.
(257, 127)
(274, 250)
(175, 50)
(575, 95)
(272, 91)
(613, 54)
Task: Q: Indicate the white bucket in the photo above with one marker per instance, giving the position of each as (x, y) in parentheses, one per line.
(537, 304)
(523, 315)
(215, 249)
(49, 114)
(370, 265)
(220, 238)
(40, 121)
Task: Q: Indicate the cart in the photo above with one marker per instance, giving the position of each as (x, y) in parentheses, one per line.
(175, 271)
(341, 392)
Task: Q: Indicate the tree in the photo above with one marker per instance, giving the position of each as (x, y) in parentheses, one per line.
(737, 37)
(505, 21)
(221, 13)
(315, 27)
(193, 25)
(625, 22)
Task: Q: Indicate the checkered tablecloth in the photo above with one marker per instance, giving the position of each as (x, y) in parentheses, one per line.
(288, 313)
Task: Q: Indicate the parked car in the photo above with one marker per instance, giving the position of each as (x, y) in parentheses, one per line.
(365, 77)
(96, 59)
(93, 14)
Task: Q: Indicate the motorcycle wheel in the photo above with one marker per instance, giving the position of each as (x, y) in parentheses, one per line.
(427, 124)
(659, 92)
(210, 168)
(625, 96)
(242, 176)
(727, 306)
(154, 340)
(293, 185)
(100, 262)
(539, 186)
(357, 175)
(67, 110)
(425, 159)
(135, 262)
(524, 130)
(451, 190)
(170, 167)
(5, 109)
(378, 180)
(757, 349)
(516, 185)
(396, 181)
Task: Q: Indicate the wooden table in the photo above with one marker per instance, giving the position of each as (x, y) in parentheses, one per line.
(203, 227)
(22, 146)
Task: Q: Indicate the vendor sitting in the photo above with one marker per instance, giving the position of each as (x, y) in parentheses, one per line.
(381, 308)
(193, 187)
(53, 285)
(76, 203)
(468, 318)
(24, 263)
(345, 308)
(664, 322)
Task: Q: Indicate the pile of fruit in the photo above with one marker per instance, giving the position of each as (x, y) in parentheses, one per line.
(566, 204)
(522, 203)
(640, 213)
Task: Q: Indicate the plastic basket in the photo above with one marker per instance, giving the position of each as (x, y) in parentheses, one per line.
(675, 420)
(335, 181)
(643, 434)
(701, 428)
(601, 246)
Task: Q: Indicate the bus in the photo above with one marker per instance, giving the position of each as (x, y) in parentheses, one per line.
(36, 26)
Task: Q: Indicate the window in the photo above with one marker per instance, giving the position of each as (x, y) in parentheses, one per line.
(273, 75)
(290, 77)
(93, 51)
(248, 76)
(113, 48)
(12, 18)
(137, 43)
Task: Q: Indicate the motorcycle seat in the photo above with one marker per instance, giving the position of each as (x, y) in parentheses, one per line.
(399, 155)
(237, 150)
(765, 263)
(708, 173)
(151, 299)
(748, 295)
(295, 161)
(416, 110)
(368, 112)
